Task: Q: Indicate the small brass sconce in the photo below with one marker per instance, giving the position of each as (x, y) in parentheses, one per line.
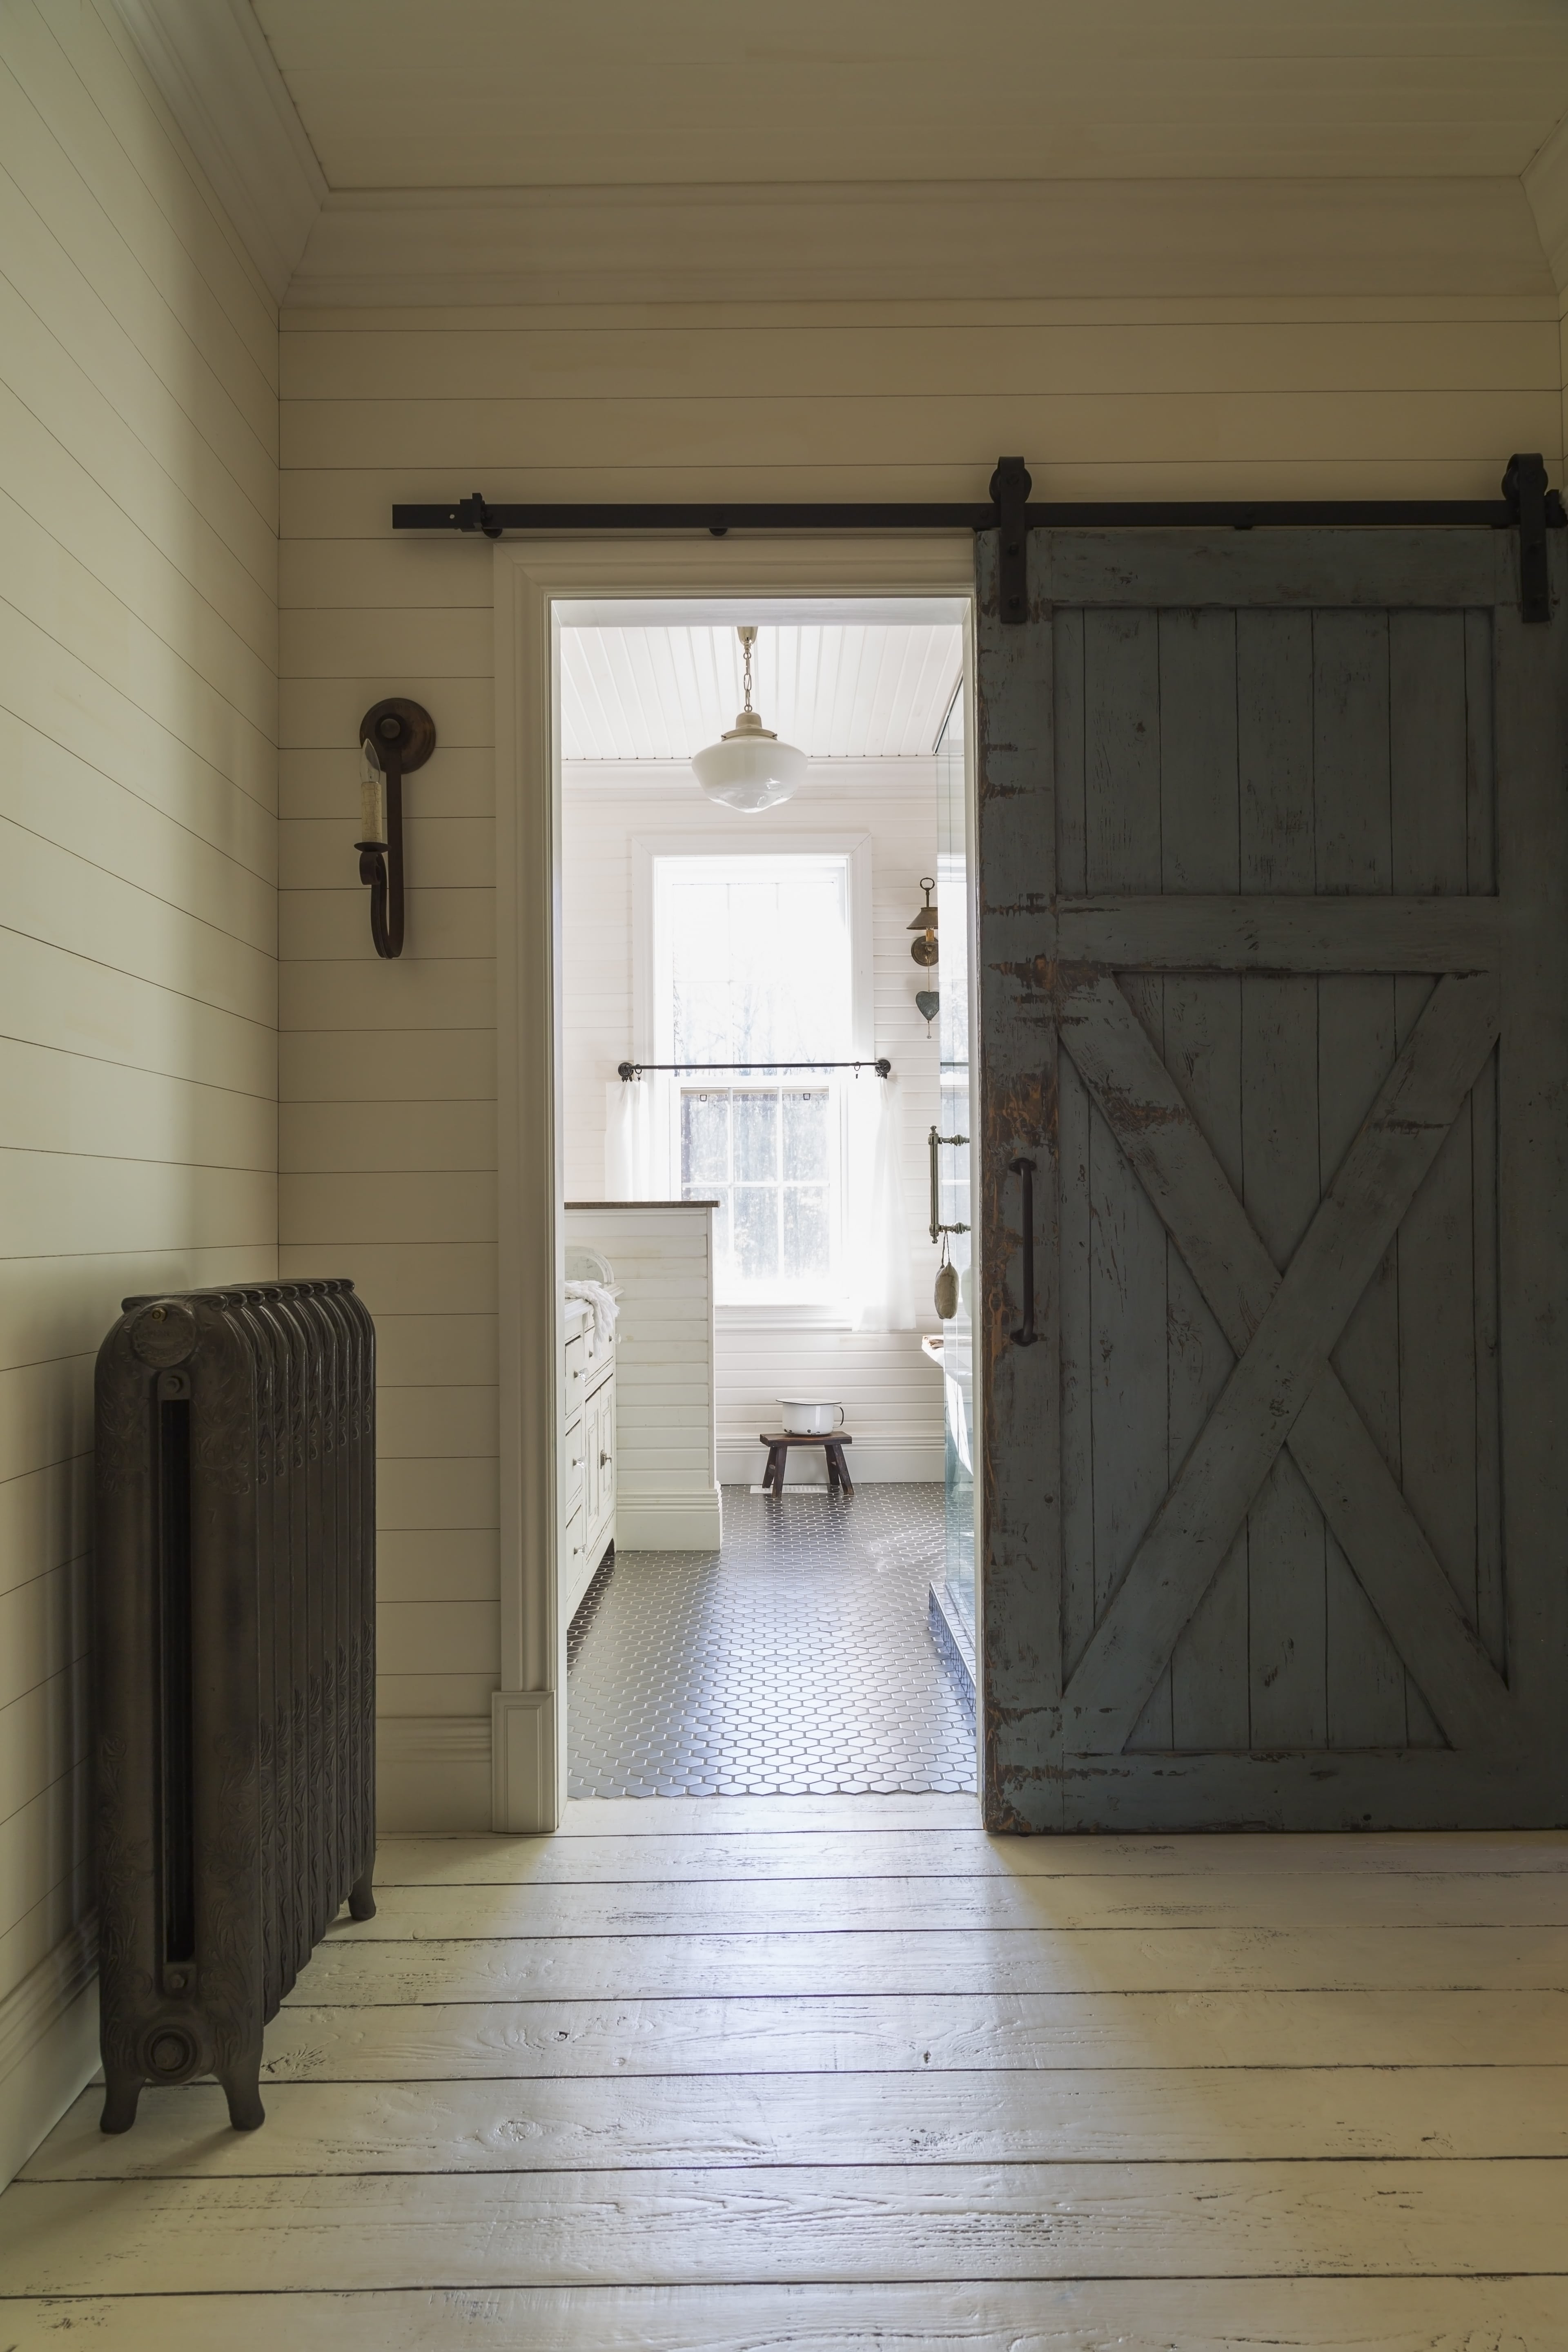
(395, 738)
(923, 949)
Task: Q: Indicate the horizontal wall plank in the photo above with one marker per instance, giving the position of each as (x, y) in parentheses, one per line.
(446, 853)
(444, 642)
(437, 1564)
(431, 1492)
(324, 714)
(439, 1636)
(449, 1205)
(334, 925)
(69, 1102)
(414, 1350)
(423, 1278)
(442, 1695)
(388, 1066)
(719, 361)
(449, 1420)
(49, 893)
(1106, 428)
(57, 1203)
(46, 1732)
(356, 1138)
(450, 994)
(63, 1306)
(943, 2221)
(323, 785)
(46, 1519)
(160, 221)
(45, 1629)
(46, 1416)
(75, 1002)
(41, 1844)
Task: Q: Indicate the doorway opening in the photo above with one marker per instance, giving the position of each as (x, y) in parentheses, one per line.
(766, 1494)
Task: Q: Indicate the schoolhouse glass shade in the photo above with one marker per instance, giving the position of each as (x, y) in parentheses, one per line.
(749, 768)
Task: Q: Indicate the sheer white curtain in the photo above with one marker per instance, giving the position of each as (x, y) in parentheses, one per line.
(639, 1159)
(882, 1282)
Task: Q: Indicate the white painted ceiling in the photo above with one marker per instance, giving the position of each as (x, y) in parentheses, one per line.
(863, 691)
(550, 93)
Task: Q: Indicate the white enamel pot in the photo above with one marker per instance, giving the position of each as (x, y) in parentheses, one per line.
(806, 1417)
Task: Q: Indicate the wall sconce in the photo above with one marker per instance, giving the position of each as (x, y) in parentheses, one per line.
(923, 949)
(395, 738)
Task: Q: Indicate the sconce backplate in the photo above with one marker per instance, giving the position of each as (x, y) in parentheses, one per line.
(414, 734)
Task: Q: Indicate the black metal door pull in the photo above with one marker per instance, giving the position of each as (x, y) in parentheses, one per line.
(1026, 1335)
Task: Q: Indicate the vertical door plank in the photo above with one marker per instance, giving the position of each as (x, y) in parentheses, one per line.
(1127, 1246)
(1481, 879)
(1282, 1178)
(1020, 1565)
(1366, 1683)
(1077, 1440)
(1200, 851)
(1530, 678)
(1429, 798)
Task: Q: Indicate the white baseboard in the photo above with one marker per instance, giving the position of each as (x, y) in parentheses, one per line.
(870, 1462)
(48, 2044)
(683, 1522)
(526, 1780)
(433, 1773)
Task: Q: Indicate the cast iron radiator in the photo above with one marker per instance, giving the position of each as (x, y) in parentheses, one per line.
(235, 1669)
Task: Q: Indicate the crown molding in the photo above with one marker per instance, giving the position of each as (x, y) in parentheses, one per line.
(219, 79)
(1546, 186)
(953, 241)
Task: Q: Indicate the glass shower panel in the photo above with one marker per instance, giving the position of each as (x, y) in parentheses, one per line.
(957, 1350)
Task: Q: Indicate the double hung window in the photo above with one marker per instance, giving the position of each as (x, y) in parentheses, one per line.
(754, 969)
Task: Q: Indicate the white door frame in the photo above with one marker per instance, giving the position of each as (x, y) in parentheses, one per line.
(531, 577)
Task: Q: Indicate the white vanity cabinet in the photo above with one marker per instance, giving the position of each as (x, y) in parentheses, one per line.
(588, 1455)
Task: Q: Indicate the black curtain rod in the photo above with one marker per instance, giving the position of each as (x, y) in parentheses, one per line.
(626, 1070)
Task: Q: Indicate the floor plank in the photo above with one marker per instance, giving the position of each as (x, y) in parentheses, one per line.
(1297, 2315)
(928, 2221)
(533, 2041)
(1083, 2116)
(949, 1906)
(1039, 1960)
(940, 1852)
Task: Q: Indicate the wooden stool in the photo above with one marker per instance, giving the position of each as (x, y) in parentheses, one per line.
(779, 1443)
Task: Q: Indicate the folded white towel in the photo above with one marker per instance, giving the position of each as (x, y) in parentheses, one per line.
(604, 1306)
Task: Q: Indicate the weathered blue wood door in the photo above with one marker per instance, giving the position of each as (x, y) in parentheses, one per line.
(1273, 943)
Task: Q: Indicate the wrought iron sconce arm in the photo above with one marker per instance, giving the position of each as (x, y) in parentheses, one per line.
(398, 736)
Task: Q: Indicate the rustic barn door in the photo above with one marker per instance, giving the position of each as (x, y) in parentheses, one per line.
(1274, 1099)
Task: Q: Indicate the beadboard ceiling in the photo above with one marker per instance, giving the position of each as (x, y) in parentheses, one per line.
(862, 691)
(495, 93)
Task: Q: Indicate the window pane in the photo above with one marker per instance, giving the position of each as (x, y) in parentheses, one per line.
(705, 1140)
(806, 1232)
(756, 1138)
(806, 1136)
(756, 1233)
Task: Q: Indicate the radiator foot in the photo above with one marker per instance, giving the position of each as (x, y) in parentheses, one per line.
(242, 2089)
(361, 1902)
(120, 2094)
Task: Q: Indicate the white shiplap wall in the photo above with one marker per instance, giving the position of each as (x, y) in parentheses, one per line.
(1132, 339)
(138, 940)
(892, 1394)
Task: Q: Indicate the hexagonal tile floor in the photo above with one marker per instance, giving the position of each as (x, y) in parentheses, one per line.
(794, 1661)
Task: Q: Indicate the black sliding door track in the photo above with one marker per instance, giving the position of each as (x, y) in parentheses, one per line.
(1526, 505)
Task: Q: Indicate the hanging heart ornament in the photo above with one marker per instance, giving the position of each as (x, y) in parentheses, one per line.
(926, 1003)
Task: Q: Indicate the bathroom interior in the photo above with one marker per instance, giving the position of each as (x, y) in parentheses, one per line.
(766, 1491)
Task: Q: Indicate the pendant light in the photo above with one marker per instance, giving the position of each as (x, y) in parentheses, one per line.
(749, 768)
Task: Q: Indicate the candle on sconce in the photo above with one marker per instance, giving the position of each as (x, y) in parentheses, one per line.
(373, 798)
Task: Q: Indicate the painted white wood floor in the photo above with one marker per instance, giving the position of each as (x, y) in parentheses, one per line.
(703, 2073)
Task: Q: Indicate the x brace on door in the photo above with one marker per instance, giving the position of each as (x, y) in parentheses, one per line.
(1283, 1390)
